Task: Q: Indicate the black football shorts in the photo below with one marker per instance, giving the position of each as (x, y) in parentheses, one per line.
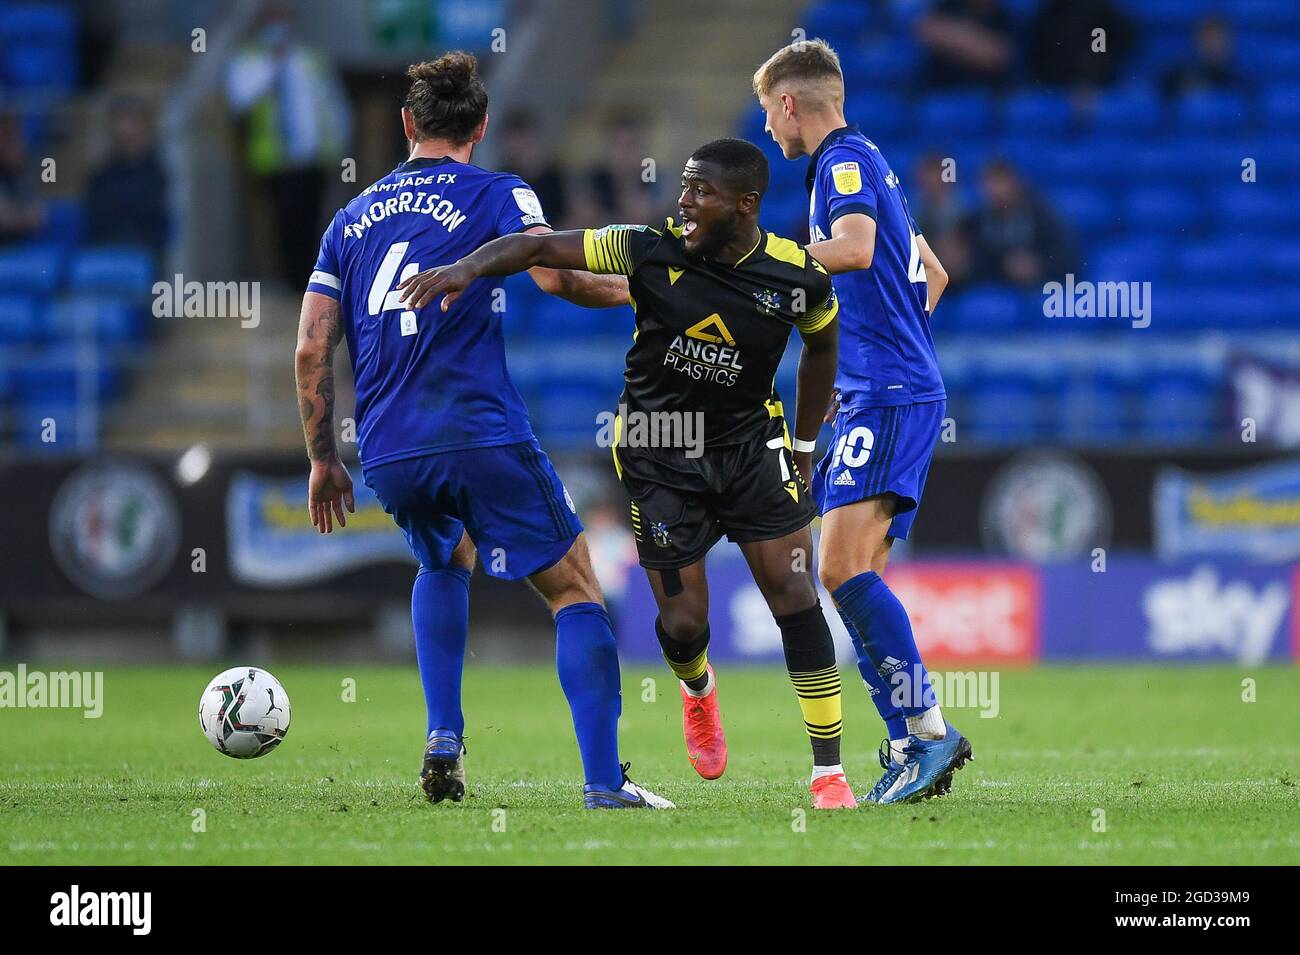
(682, 506)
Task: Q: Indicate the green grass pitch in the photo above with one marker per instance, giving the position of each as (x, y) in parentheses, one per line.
(1185, 771)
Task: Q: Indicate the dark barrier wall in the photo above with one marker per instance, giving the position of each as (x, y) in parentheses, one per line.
(129, 537)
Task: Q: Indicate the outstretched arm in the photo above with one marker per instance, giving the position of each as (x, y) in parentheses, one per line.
(579, 287)
(504, 256)
(319, 333)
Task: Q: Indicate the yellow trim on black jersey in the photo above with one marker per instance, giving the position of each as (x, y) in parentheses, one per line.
(786, 250)
(608, 251)
(751, 251)
(819, 317)
(613, 447)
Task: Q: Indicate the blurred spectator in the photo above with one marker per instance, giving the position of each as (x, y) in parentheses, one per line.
(523, 155)
(622, 187)
(1061, 43)
(942, 217)
(1213, 67)
(298, 124)
(969, 43)
(21, 211)
(1018, 237)
(126, 197)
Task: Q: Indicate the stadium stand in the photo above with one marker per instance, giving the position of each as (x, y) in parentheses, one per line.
(1147, 180)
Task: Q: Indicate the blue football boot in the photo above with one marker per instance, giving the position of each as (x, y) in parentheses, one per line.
(926, 769)
(443, 774)
(628, 796)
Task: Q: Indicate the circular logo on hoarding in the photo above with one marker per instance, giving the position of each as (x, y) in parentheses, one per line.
(1045, 506)
(114, 529)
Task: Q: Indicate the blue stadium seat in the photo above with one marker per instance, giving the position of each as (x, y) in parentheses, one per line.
(1128, 109)
(38, 47)
(1022, 10)
(1213, 112)
(1087, 210)
(1283, 260)
(752, 126)
(1221, 259)
(53, 375)
(37, 23)
(33, 268)
(65, 223)
(1036, 112)
(124, 270)
(1213, 307)
(1161, 209)
(566, 406)
(1169, 13)
(885, 61)
(1100, 160)
(40, 66)
(986, 307)
(958, 114)
(71, 431)
(1096, 406)
(1282, 106)
(1032, 154)
(19, 319)
(1264, 14)
(1271, 56)
(1009, 405)
(1252, 207)
(106, 318)
(1179, 406)
(1204, 161)
(839, 22)
(1157, 54)
(1157, 163)
(522, 296)
(1274, 154)
(1143, 258)
(881, 116)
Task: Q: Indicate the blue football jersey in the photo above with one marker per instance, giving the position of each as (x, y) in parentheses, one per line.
(886, 352)
(426, 380)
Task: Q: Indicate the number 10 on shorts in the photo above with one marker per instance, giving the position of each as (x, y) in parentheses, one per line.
(854, 448)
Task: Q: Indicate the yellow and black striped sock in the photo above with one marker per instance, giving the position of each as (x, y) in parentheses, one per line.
(688, 659)
(810, 660)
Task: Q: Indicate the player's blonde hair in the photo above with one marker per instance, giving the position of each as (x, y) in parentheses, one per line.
(811, 65)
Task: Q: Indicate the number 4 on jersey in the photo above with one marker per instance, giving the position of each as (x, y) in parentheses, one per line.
(384, 296)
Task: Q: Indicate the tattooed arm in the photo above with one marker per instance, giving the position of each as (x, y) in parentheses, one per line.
(319, 332)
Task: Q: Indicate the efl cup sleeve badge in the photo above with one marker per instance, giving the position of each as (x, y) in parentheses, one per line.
(529, 205)
(847, 177)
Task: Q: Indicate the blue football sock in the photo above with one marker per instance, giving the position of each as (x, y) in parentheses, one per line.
(586, 657)
(440, 616)
(895, 721)
(886, 633)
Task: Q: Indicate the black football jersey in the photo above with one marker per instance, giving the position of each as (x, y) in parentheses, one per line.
(709, 337)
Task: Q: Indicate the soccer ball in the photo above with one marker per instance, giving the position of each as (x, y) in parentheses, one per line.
(244, 712)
